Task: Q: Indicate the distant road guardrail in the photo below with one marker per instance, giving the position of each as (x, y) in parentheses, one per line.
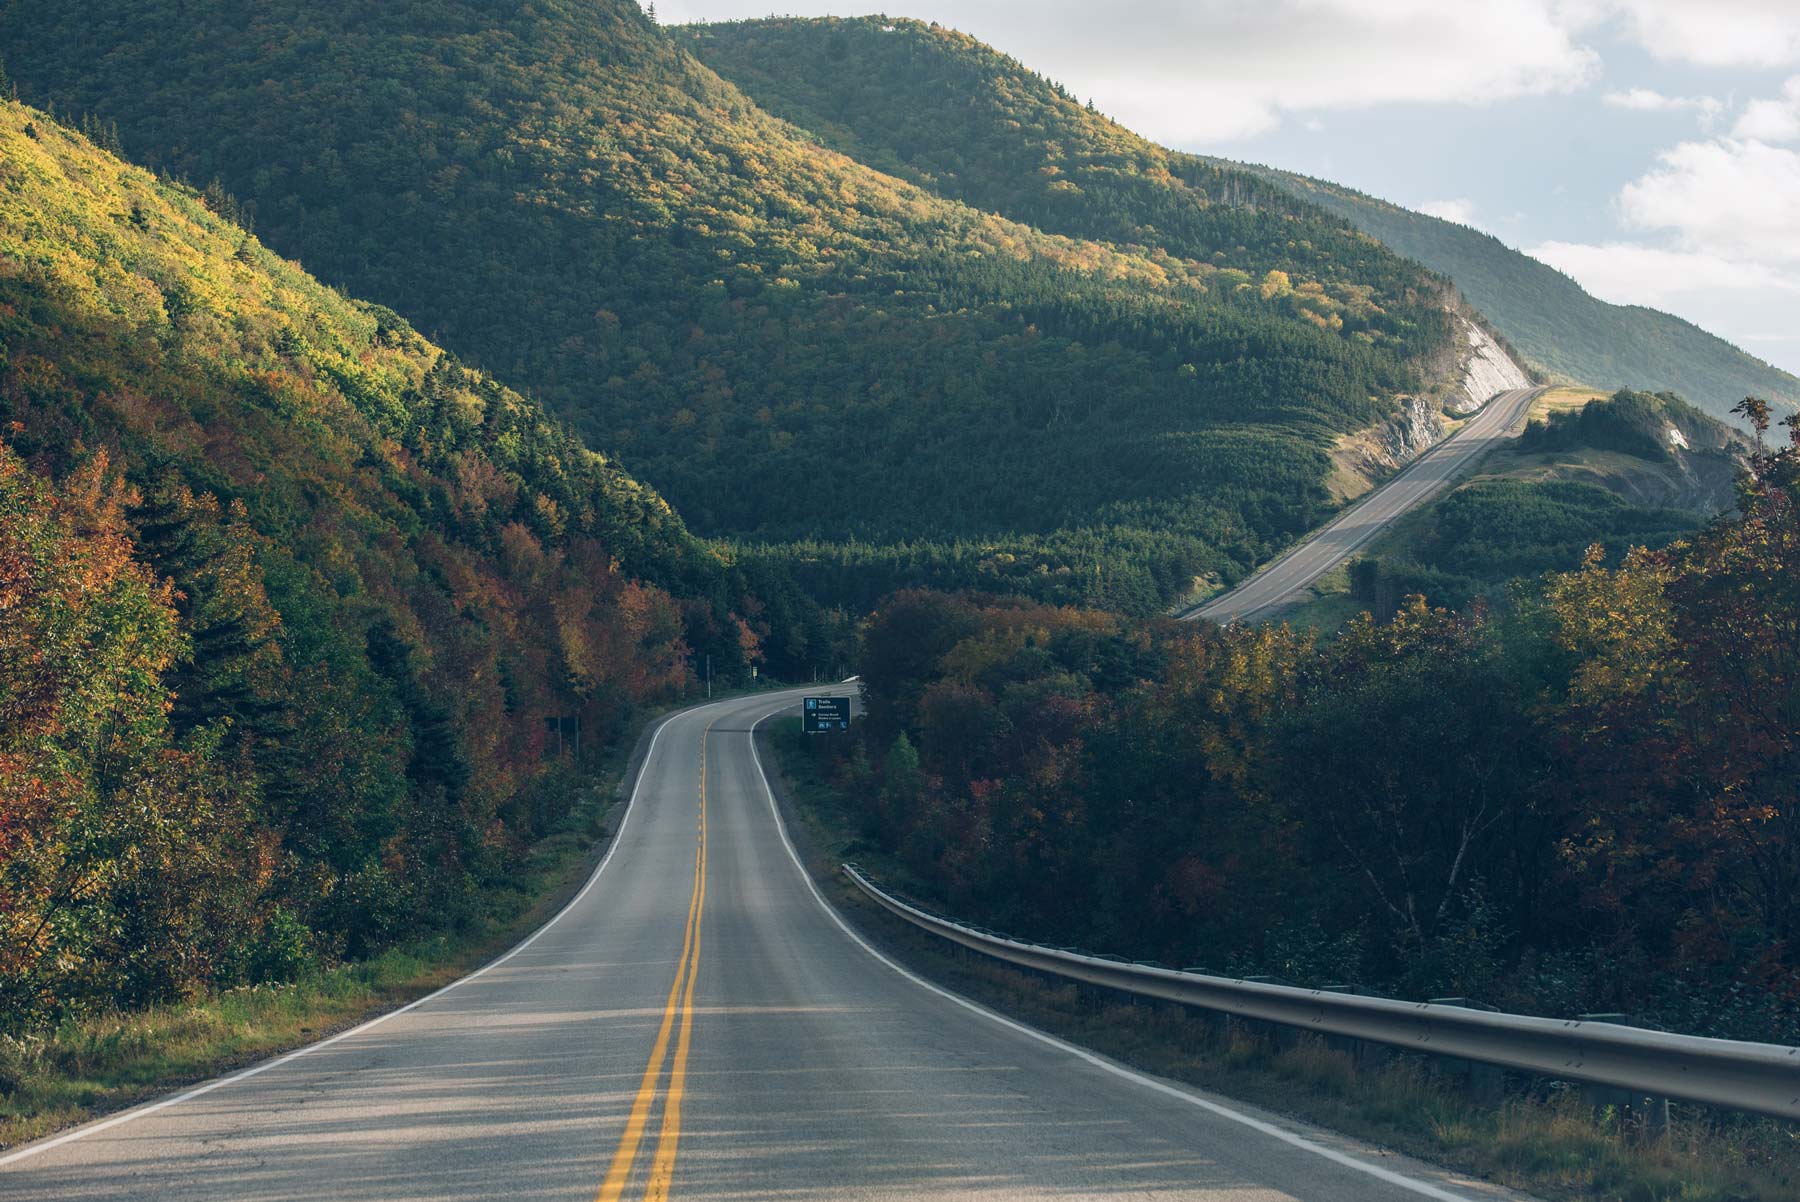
(1760, 1078)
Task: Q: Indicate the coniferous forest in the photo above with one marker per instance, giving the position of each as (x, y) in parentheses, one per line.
(980, 127)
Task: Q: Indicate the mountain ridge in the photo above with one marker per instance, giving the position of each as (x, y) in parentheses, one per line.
(1557, 325)
(988, 128)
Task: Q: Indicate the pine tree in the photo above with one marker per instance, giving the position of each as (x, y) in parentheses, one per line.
(209, 554)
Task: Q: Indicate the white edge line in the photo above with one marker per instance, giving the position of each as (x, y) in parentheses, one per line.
(139, 1112)
(1423, 1188)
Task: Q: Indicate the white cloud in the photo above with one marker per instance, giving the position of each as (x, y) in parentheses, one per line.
(1631, 273)
(1738, 200)
(1775, 120)
(1197, 72)
(1721, 220)
(1460, 210)
(1715, 33)
(1645, 100)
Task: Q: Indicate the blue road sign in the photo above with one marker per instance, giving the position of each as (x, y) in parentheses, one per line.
(825, 715)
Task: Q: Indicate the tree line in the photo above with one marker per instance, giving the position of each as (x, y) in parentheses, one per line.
(1584, 801)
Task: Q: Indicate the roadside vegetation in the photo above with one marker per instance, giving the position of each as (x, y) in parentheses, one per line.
(1582, 801)
(1542, 1138)
(306, 629)
(106, 1059)
(101, 1058)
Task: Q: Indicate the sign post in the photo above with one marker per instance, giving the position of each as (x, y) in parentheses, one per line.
(825, 715)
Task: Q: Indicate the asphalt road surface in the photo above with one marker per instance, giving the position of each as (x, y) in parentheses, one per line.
(1283, 581)
(699, 1024)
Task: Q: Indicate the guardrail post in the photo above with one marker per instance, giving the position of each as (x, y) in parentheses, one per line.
(1599, 1097)
(1650, 1110)
(1656, 1116)
(1484, 1082)
(1218, 1024)
(1349, 1045)
(1280, 1035)
(1367, 1055)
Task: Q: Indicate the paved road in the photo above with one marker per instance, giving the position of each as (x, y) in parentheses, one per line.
(697, 1024)
(1283, 581)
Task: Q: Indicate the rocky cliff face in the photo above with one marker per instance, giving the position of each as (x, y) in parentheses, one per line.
(1481, 368)
(1486, 369)
(1411, 432)
(1377, 453)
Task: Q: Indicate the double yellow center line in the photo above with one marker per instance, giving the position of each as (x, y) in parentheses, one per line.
(681, 1001)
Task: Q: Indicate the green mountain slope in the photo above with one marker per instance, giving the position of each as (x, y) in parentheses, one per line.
(787, 343)
(293, 606)
(1552, 322)
(939, 108)
(944, 111)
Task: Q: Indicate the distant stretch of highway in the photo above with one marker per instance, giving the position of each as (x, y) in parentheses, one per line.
(700, 1023)
(1282, 582)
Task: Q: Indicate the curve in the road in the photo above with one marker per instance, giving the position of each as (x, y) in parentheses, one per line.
(799, 1062)
(1284, 579)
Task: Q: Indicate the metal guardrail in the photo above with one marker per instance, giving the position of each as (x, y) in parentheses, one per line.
(1760, 1078)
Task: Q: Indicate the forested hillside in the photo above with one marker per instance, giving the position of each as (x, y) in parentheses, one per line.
(789, 344)
(939, 108)
(298, 615)
(1584, 802)
(1488, 798)
(1552, 322)
(944, 111)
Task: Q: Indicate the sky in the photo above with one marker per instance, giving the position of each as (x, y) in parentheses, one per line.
(1649, 148)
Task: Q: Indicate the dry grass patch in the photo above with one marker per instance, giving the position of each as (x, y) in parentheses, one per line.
(1564, 399)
